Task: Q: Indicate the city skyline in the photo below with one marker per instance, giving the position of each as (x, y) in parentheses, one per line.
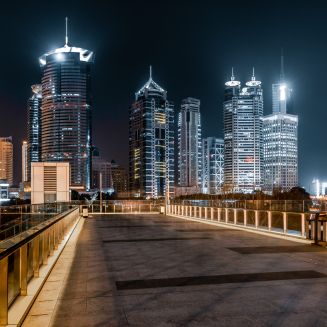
(205, 82)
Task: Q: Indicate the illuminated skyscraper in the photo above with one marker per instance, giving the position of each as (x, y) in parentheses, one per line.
(151, 142)
(280, 131)
(33, 128)
(243, 111)
(189, 144)
(66, 110)
(213, 165)
(24, 161)
(6, 159)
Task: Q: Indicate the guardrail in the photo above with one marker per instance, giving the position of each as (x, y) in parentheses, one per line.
(22, 256)
(278, 222)
(271, 205)
(126, 207)
(17, 219)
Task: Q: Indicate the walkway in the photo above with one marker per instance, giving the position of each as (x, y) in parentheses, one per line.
(153, 270)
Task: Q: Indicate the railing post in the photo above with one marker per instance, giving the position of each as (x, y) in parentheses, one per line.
(23, 270)
(36, 252)
(302, 224)
(269, 219)
(211, 213)
(4, 291)
(245, 212)
(235, 216)
(45, 247)
(219, 214)
(205, 213)
(51, 240)
(256, 218)
(285, 222)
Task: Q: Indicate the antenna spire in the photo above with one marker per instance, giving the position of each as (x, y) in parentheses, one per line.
(253, 76)
(282, 76)
(150, 72)
(66, 36)
(232, 77)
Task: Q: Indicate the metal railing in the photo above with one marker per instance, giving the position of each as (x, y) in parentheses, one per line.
(17, 219)
(22, 256)
(124, 206)
(271, 205)
(280, 222)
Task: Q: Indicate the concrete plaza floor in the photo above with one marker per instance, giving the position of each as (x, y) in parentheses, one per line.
(153, 270)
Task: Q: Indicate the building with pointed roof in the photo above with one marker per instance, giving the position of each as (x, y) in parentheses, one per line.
(151, 142)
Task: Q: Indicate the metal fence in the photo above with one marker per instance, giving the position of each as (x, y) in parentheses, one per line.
(22, 256)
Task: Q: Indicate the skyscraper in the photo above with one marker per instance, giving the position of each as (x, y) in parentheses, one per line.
(119, 178)
(280, 140)
(189, 144)
(33, 128)
(151, 142)
(24, 161)
(243, 111)
(66, 110)
(6, 159)
(213, 165)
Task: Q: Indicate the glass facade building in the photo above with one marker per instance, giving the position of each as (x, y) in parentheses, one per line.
(66, 111)
(213, 165)
(243, 112)
(151, 143)
(6, 160)
(189, 144)
(280, 152)
(34, 128)
(280, 133)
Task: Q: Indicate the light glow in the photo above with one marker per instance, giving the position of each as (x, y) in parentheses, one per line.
(282, 93)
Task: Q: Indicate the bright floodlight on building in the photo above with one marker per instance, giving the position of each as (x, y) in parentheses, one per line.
(253, 82)
(232, 82)
(282, 94)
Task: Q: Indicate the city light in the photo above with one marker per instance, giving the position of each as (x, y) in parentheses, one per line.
(282, 89)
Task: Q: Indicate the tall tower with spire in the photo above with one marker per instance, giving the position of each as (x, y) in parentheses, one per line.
(280, 135)
(243, 150)
(151, 142)
(66, 110)
(281, 92)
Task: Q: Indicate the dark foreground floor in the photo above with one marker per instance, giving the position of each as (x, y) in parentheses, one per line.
(154, 270)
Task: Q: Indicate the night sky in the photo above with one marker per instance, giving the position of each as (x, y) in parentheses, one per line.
(191, 45)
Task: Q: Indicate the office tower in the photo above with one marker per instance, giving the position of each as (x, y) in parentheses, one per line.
(33, 128)
(243, 111)
(66, 110)
(6, 160)
(189, 144)
(151, 142)
(280, 131)
(24, 161)
(213, 165)
(103, 167)
(119, 178)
